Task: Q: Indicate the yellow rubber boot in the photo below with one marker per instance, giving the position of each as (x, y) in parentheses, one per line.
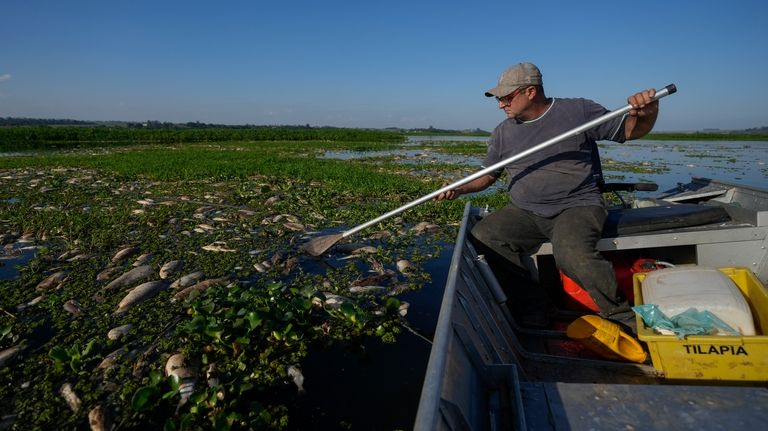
(606, 339)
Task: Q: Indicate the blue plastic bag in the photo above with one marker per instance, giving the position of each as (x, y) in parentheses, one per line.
(689, 322)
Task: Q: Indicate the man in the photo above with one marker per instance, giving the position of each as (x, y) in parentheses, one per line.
(554, 192)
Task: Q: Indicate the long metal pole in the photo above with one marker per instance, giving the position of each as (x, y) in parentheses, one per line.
(669, 89)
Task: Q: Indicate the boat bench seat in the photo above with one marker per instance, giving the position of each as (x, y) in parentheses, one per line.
(628, 221)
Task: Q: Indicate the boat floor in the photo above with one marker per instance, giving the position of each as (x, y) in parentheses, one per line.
(570, 406)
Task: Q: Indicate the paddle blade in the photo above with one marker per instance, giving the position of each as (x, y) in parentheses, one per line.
(319, 245)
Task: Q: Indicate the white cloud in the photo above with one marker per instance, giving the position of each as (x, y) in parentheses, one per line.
(5, 77)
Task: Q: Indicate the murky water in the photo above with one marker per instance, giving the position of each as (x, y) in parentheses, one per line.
(743, 162)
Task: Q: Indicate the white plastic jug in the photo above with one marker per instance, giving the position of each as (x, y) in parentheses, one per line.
(677, 289)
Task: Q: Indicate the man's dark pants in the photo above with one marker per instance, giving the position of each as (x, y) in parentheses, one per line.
(513, 232)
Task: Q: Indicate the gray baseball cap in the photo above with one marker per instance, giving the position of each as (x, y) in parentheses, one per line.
(519, 75)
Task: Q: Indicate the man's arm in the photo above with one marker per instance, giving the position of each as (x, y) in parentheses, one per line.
(475, 185)
(643, 115)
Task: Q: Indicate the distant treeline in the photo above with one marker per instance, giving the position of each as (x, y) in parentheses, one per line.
(27, 138)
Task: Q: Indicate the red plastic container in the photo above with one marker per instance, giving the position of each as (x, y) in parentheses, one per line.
(577, 299)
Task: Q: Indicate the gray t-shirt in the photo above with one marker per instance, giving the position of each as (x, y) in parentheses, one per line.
(560, 176)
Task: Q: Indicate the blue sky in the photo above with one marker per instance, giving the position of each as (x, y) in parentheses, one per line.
(376, 63)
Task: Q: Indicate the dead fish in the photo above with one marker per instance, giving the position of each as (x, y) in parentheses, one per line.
(124, 253)
(7, 355)
(333, 300)
(176, 366)
(298, 378)
(119, 331)
(188, 280)
(79, 257)
(198, 287)
(99, 419)
(289, 264)
(356, 248)
(404, 265)
(367, 289)
(144, 259)
(271, 200)
(374, 279)
(138, 294)
(211, 375)
(218, 247)
(135, 275)
(427, 227)
(52, 280)
(34, 301)
(68, 254)
(380, 234)
(107, 273)
(111, 359)
(297, 227)
(69, 395)
(73, 307)
(245, 213)
(403, 310)
(259, 267)
(170, 268)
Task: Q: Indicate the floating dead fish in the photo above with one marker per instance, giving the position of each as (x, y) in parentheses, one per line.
(188, 280)
(368, 289)
(425, 227)
(68, 254)
(206, 227)
(52, 280)
(356, 249)
(145, 202)
(374, 279)
(218, 247)
(171, 268)
(69, 395)
(289, 264)
(79, 257)
(34, 301)
(404, 265)
(73, 307)
(107, 273)
(7, 355)
(297, 227)
(133, 276)
(144, 259)
(124, 253)
(100, 419)
(176, 366)
(138, 294)
(119, 332)
(403, 310)
(111, 359)
(259, 267)
(298, 378)
(245, 214)
(332, 300)
(271, 200)
(380, 234)
(211, 375)
(199, 287)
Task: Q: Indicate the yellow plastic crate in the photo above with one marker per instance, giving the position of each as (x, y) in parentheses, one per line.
(713, 357)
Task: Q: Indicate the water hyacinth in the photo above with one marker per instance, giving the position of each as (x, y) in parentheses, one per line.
(266, 303)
